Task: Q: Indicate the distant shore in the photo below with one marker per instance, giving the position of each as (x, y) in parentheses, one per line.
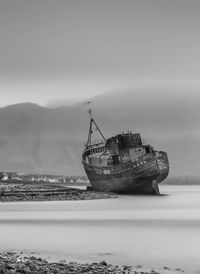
(13, 262)
(12, 191)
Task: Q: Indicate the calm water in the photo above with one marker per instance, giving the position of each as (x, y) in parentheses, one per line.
(148, 230)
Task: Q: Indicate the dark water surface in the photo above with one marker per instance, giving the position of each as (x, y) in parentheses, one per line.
(148, 230)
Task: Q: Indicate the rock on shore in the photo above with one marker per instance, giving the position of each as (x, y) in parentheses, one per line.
(12, 262)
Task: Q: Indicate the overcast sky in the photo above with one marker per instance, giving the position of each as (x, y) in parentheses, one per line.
(70, 50)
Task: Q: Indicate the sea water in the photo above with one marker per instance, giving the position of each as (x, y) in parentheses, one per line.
(153, 231)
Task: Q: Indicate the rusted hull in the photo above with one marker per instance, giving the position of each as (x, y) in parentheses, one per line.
(131, 180)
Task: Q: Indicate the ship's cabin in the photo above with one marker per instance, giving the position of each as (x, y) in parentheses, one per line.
(122, 148)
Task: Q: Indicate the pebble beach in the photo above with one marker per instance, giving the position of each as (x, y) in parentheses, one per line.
(12, 262)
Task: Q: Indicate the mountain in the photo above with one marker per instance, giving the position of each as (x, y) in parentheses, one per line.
(39, 140)
(45, 140)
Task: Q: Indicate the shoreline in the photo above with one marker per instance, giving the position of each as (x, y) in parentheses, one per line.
(12, 262)
(73, 195)
(31, 191)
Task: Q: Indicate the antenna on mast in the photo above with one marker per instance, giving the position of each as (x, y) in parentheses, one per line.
(90, 108)
(91, 122)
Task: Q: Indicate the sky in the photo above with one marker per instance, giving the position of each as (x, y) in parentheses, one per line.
(59, 52)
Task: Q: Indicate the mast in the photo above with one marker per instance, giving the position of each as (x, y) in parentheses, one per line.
(92, 121)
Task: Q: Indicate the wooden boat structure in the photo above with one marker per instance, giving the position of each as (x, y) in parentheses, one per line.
(123, 164)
